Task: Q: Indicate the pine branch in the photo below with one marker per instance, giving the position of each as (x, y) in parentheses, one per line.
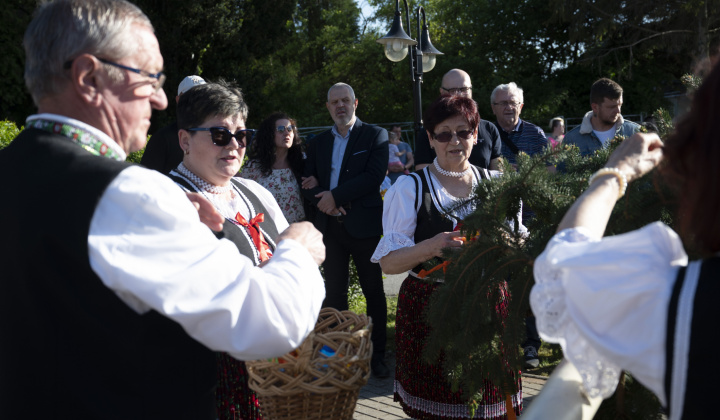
(475, 324)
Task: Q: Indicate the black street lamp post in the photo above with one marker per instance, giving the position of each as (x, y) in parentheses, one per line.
(422, 55)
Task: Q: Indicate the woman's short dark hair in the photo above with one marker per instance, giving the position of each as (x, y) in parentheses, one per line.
(262, 148)
(692, 154)
(202, 102)
(448, 106)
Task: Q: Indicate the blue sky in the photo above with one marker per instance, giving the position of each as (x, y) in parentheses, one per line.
(365, 7)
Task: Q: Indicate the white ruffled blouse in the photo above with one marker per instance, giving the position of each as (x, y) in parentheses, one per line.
(400, 211)
(400, 214)
(605, 302)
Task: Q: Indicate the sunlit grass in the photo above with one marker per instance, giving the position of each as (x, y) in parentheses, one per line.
(550, 356)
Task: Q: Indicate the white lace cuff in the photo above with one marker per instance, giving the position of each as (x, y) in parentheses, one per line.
(389, 243)
(600, 376)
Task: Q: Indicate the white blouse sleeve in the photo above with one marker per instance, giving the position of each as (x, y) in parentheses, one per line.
(399, 217)
(146, 243)
(605, 302)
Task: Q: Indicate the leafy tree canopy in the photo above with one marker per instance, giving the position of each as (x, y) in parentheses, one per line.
(286, 54)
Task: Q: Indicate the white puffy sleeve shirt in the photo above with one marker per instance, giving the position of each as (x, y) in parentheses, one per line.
(147, 244)
(400, 211)
(605, 302)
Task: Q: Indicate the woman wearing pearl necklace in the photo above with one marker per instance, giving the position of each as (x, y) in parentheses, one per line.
(213, 136)
(421, 216)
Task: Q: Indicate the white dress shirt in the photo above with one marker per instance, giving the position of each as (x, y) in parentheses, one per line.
(605, 301)
(147, 244)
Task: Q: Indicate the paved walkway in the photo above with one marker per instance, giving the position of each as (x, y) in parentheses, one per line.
(376, 398)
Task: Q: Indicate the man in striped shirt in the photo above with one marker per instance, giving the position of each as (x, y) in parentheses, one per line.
(516, 135)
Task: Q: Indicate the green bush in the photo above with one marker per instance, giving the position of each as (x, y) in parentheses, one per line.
(135, 157)
(8, 132)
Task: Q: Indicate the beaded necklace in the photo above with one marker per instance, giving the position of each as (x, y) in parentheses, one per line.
(204, 185)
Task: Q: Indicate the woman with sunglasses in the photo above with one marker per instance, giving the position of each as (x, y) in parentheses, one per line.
(211, 121)
(421, 216)
(276, 162)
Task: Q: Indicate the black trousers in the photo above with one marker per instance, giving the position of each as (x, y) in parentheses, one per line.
(339, 246)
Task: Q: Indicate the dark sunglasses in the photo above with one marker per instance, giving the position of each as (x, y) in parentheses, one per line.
(221, 136)
(446, 136)
(281, 128)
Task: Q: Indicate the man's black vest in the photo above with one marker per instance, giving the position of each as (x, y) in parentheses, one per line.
(69, 347)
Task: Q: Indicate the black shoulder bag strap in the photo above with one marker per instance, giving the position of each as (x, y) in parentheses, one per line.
(506, 141)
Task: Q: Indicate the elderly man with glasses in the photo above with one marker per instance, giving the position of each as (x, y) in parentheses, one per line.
(517, 135)
(115, 296)
(488, 149)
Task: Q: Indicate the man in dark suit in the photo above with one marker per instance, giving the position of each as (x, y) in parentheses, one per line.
(349, 162)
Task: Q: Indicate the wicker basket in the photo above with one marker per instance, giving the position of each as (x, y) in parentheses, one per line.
(322, 378)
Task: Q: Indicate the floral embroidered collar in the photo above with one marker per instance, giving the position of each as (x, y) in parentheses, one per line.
(84, 135)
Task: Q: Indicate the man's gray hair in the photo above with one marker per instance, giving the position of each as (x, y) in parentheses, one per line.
(339, 85)
(510, 88)
(64, 29)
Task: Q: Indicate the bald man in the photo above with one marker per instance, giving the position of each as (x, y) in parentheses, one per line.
(489, 147)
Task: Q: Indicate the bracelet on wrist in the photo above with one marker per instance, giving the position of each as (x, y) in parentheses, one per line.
(621, 178)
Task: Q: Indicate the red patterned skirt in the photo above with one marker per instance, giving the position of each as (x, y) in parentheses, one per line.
(421, 388)
(234, 399)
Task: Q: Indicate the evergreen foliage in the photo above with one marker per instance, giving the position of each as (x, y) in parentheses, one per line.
(8, 132)
(631, 400)
(478, 330)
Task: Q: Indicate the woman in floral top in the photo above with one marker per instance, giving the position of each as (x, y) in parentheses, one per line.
(276, 162)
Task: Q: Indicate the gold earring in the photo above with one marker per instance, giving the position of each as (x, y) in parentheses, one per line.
(187, 151)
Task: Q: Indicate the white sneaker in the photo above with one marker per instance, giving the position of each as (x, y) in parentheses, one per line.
(531, 357)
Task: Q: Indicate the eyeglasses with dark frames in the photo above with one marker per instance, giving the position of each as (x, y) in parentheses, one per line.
(506, 104)
(457, 91)
(221, 136)
(446, 136)
(156, 85)
(282, 128)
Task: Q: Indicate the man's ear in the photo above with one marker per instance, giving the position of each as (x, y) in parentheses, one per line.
(595, 108)
(86, 78)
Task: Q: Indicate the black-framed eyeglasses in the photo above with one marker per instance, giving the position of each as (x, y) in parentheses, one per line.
(156, 85)
(446, 136)
(506, 104)
(457, 91)
(221, 136)
(159, 76)
(282, 128)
